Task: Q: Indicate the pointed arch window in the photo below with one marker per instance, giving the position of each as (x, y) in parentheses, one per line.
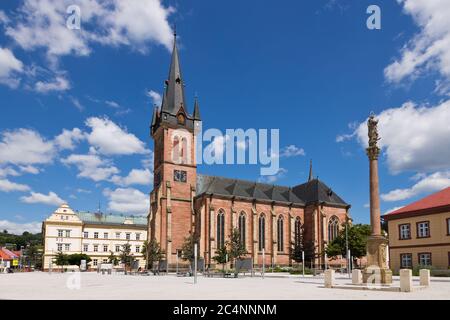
(280, 233)
(242, 229)
(262, 232)
(297, 231)
(221, 229)
(333, 228)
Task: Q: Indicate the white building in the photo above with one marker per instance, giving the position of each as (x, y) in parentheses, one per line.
(95, 234)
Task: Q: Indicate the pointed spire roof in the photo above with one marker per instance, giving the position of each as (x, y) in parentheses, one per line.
(174, 94)
(196, 114)
(310, 171)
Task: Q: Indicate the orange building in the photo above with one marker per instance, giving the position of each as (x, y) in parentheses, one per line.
(419, 233)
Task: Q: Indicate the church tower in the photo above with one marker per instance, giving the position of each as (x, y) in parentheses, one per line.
(173, 130)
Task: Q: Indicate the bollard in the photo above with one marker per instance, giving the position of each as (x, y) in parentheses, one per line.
(329, 278)
(356, 276)
(425, 277)
(406, 284)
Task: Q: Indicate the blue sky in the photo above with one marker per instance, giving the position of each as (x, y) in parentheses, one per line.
(309, 68)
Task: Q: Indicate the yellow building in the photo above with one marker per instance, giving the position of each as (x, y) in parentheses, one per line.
(94, 234)
(419, 233)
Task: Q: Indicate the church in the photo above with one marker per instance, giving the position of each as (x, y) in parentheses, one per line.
(183, 202)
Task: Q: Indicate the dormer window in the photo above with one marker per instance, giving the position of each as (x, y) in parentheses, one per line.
(180, 118)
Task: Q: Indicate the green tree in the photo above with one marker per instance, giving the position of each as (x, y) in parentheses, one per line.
(357, 240)
(221, 256)
(152, 252)
(187, 250)
(61, 259)
(236, 246)
(113, 259)
(125, 255)
(75, 259)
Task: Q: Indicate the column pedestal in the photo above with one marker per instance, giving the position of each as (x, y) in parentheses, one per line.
(377, 270)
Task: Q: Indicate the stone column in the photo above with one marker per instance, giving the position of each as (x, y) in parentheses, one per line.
(377, 269)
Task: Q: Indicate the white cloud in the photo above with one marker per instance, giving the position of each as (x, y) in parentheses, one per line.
(3, 17)
(77, 103)
(127, 200)
(136, 176)
(136, 23)
(51, 198)
(431, 183)
(29, 169)
(273, 178)
(430, 48)
(20, 228)
(392, 209)
(155, 96)
(68, 138)
(292, 151)
(112, 104)
(110, 139)
(8, 171)
(91, 166)
(79, 190)
(414, 138)
(60, 83)
(8, 186)
(24, 147)
(9, 67)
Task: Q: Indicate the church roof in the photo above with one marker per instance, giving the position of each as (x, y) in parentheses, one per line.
(313, 191)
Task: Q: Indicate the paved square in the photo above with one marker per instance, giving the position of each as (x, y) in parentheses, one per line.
(41, 286)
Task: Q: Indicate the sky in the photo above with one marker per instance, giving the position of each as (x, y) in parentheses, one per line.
(76, 104)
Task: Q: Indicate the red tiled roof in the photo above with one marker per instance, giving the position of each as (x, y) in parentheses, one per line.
(435, 200)
(4, 256)
(7, 254)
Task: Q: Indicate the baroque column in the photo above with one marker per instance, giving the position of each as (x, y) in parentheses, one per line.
(377, 270)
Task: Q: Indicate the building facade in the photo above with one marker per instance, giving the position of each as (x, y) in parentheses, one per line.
(94, 234)
(183, 202)
(419, 233)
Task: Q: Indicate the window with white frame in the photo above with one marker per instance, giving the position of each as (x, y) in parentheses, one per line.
(423, 229)
(60, 233)
(406, 260)
(405, 231)
(95, 235)
(105, 235)
(105, 261)
(425, 259)
(95, 262)
(67, 233)
(138, 236)
(95, 247)
(128, 236)
(86, 234)
(117, 235)
(85, 247)
(67, 246)
(105, 248)
(138, 249)
(117, 248)
(59, 246)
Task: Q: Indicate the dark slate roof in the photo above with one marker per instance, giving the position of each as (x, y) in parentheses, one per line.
(311, 192)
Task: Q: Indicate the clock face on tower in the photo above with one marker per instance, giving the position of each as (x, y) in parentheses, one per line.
(179, 175)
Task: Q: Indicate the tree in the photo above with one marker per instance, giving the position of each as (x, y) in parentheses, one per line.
(125, 255)
(236, 247)
(296, 252)
(152, 252)
(221, 256)
(187, 250)
(75, 259)
(357, 240)
(61, 259)
(113, 259)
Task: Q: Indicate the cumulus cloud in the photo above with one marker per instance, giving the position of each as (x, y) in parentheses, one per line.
(10, 66)
(273, 178)
(20, 228)
(430, 48)
(431, 183)
(91, 166)
(292, 151)
(136, 176)
(51, 198)
(68, 138)
(60, 83)
(9, 186)
(25, 147)
(110, 139)
(127, 200)
(155, 96)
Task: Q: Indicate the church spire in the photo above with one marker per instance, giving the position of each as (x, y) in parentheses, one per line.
(310, 171)
(174, 94)
(196, 114)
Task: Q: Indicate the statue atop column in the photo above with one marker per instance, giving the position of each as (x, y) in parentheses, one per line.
(373, 151)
